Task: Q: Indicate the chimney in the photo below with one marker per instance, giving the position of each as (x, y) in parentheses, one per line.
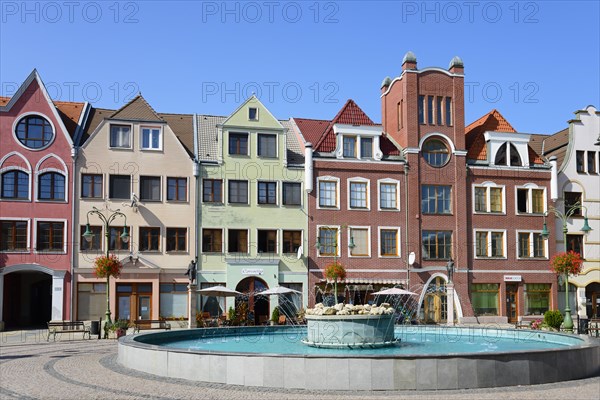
(409, 61)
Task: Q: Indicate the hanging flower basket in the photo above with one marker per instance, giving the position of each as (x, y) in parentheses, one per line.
(107, 266)
(335, 272)
(569, 263)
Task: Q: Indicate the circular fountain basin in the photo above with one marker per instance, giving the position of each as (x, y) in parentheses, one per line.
(350, 331)
(426, 358)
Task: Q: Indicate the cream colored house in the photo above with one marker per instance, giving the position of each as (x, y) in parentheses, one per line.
(141, 163)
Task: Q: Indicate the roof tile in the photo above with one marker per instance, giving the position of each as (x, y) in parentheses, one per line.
(137, 109)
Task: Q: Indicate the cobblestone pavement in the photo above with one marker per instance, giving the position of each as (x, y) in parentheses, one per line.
(72, 368)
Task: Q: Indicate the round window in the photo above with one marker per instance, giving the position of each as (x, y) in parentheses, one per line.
(34, 132)
(436, 152)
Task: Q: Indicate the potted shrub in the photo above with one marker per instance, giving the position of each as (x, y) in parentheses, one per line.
(275, 316)
(553, 319)
(335, 272)
(120, 327)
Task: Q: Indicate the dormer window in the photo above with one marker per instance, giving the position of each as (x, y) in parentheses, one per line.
(366, 147)
(503, 155)
(253, 114)
(358, 142)
(349, 146)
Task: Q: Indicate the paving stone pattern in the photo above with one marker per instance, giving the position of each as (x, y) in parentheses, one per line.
(73, 368)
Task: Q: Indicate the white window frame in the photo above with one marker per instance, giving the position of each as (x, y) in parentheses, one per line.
(257, 116)
(110, 125)
(337, 240)
(337, 194)
(278, 238)
(388, 181)
(349, 231)
(37, 185)
(356, 146)
(28, 220)
(281, 194)
(65, 234)
(247, 240)
(280, 235)
(276, 145)
(160, 138)
(187, 189)
(529, 187)
(277, 190)
(397, 229)
(36, 114)
(489, 244)
(160, 192)
(368, 194)
(223, 239)
(488, 205)
(531, 246)
(226, 193)
(30, 183)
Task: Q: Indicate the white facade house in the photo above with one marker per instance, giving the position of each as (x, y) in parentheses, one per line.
(577, 152)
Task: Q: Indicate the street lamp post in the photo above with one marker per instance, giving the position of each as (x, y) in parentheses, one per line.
(450, 293)
(569, 212)
(89, 236)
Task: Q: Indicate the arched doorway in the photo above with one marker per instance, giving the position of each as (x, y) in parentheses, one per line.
(27, 299)
(435, 301)
(592, 295)
(258, 306)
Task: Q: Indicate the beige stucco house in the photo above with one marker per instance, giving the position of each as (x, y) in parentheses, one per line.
(139, 162)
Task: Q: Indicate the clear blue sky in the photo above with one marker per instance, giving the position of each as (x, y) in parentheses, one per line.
(535, 61)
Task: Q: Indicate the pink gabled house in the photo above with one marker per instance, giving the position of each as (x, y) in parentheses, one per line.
(36, 204)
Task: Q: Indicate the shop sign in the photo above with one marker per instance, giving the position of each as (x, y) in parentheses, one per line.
(512, 278)
(253, 271)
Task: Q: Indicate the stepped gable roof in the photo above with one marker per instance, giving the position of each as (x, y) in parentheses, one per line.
(208, 140)
(183, 127)
(137, 109)
(69, 112)
(493, 121)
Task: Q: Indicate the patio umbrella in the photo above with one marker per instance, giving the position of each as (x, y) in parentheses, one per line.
(279, 290)
(219, 291)
(393, 291)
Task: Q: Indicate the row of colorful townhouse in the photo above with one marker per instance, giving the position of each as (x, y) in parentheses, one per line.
(259, 202)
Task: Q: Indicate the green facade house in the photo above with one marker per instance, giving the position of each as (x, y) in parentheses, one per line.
(252, 204)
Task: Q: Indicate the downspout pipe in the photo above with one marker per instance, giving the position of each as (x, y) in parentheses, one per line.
(197, 210)
(554, 178)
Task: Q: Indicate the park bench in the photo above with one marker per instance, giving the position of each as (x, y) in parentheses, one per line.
(145, 324)
(55, 327)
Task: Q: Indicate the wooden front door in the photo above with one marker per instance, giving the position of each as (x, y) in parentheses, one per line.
(512, 303)
(134, 301)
